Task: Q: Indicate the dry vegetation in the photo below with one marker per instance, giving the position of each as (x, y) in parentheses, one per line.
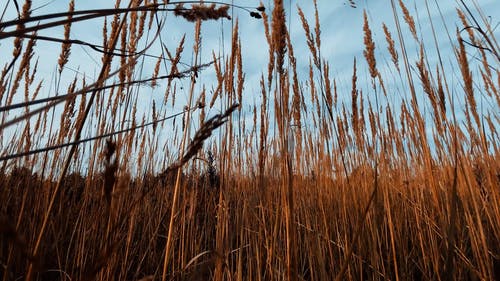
(313, 189)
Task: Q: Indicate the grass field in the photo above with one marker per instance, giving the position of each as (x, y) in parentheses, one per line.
(95, 186)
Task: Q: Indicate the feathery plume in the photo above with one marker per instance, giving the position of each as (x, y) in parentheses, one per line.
(279, 34)
(66, 47)
(369, 51)
(202, 12)
(391, 47)
(309, 37)
(409, 20)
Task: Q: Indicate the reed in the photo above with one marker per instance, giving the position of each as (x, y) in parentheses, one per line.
(149, 171)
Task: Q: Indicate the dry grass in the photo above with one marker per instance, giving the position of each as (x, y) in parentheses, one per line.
(313, 188)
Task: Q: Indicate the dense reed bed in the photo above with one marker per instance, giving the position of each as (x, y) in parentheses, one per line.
(97, 183)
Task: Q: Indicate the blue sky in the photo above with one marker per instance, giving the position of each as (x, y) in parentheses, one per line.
(342, 40)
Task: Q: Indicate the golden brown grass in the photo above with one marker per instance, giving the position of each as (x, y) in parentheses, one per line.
(314, 188)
